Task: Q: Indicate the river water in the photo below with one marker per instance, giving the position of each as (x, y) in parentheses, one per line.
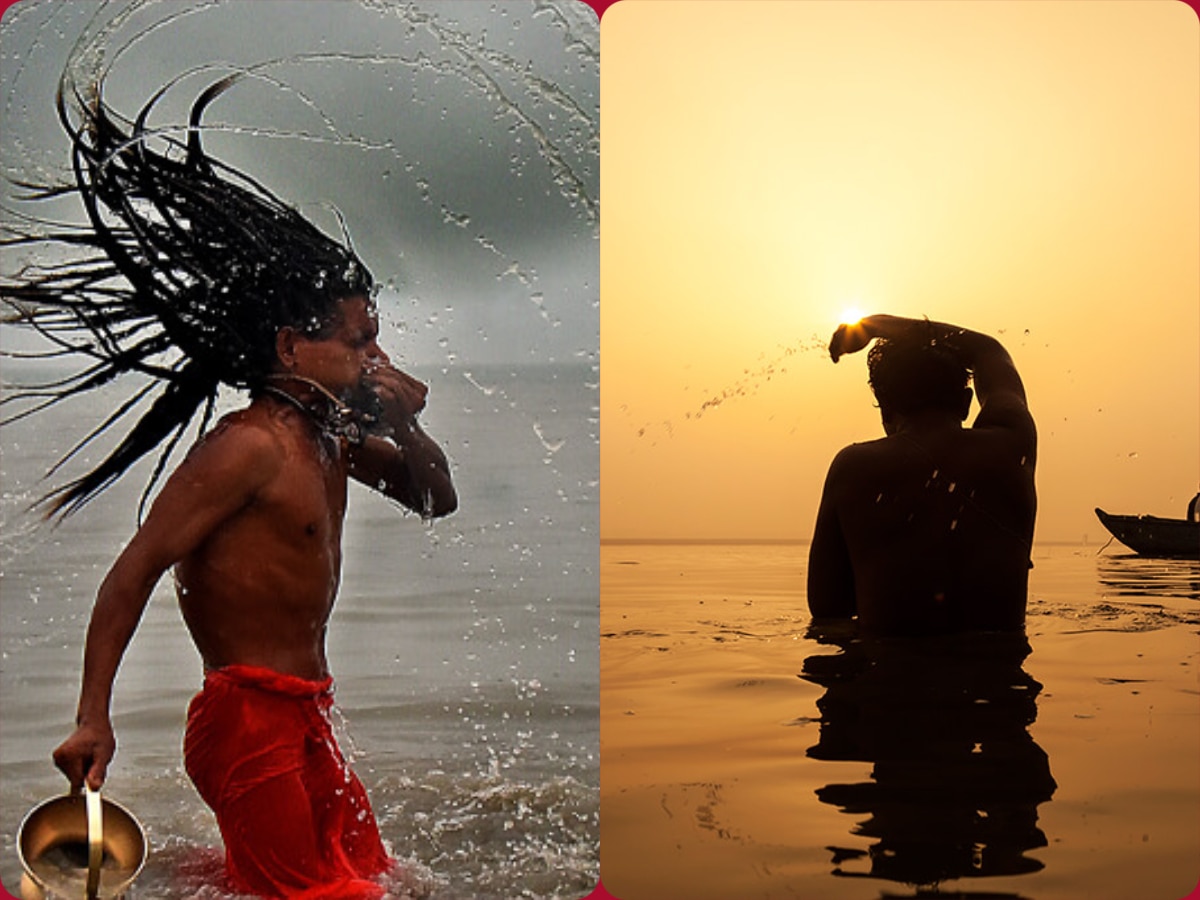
(747, 755)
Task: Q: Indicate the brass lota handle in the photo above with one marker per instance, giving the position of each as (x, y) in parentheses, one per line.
(95, 824)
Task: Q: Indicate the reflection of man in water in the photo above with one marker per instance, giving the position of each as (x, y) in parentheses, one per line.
(249, 294)
(956, 779)
(929, 528)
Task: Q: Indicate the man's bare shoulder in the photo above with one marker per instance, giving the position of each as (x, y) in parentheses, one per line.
(248, 439)
(233, 465)
(853, 462)
(853, 457)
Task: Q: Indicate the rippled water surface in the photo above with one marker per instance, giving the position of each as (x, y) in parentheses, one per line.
(748, 755)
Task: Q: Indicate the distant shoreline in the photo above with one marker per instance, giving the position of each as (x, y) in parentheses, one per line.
(724, 542)
(767, 541)
(39, 368)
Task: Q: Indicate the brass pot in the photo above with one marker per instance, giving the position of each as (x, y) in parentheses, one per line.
(79, 846)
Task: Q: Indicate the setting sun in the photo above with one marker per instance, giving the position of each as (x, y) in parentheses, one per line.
(769, 191)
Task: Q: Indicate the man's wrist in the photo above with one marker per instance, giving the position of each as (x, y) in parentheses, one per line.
(93, 721)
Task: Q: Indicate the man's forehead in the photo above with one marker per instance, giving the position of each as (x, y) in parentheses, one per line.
(358, 310)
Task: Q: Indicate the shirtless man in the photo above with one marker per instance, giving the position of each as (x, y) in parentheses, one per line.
(929, 529)
(251, 522)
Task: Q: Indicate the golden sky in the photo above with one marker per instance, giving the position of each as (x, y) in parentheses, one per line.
(1026, 168)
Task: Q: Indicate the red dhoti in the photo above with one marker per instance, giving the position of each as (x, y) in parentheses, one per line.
(295, 820)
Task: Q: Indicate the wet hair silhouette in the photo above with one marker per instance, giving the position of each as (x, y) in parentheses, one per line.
(185, 272)
(908, 376)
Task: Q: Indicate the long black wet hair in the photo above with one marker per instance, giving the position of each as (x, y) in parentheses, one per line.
(186, 272)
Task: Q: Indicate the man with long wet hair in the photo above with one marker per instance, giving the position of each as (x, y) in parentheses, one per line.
(196, 276)
(929, 529)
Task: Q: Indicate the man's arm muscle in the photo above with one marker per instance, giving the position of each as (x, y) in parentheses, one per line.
(830, 574)
(220, 476)
(414, 471)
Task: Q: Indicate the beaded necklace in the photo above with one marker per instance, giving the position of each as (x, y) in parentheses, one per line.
(333, 417)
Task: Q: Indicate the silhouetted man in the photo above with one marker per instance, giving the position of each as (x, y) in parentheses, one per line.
(929, 529)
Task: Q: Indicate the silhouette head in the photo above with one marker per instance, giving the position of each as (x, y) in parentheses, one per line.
(910, 377)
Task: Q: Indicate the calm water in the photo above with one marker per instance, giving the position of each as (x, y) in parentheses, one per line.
(465, 653)
(747, 756)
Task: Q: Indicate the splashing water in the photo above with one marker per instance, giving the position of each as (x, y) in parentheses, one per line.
(450, 139)
(750, 382)
(453, 138)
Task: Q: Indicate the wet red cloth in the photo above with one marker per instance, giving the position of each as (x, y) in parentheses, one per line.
(296, 821)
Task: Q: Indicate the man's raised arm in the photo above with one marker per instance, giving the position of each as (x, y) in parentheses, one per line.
(830, 588)
(998, 386)
(410, 466)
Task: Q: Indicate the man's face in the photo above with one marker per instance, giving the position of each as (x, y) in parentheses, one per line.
(341, 360)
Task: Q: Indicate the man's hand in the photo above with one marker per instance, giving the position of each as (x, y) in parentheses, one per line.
(402, 395)
(410, 467)
(86, 754)
(849, 338)
(853, 336)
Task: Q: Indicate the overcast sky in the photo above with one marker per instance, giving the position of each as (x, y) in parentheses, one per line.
(460, 141)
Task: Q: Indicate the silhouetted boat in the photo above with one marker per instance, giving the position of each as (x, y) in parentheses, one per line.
(1154, 536)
